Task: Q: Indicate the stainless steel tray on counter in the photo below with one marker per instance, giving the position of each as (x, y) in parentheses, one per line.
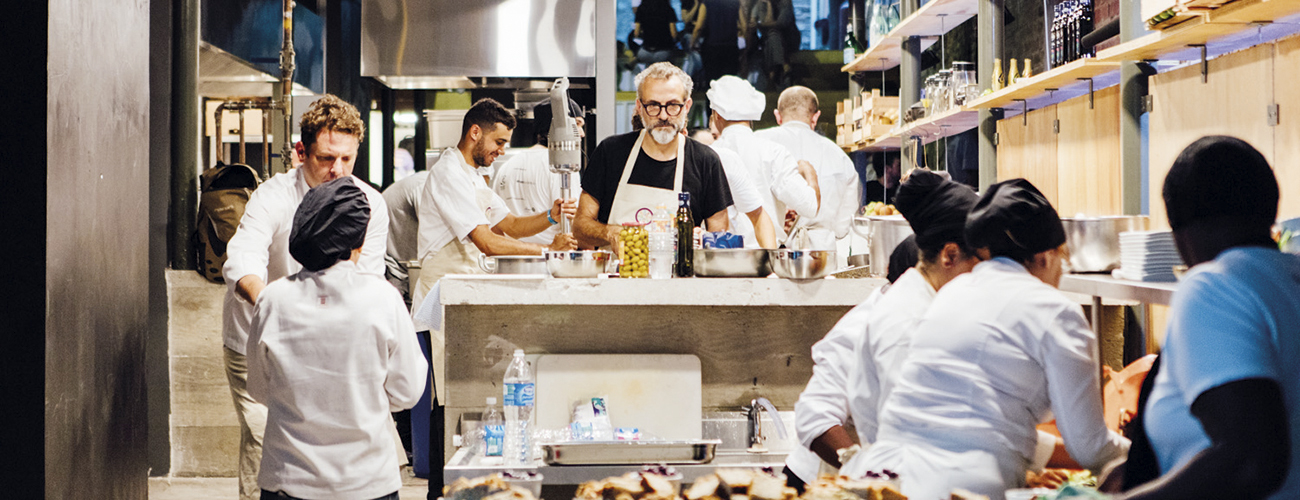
(630, 452)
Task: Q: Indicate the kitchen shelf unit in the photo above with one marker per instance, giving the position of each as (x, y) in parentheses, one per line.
(1056, 85)
(1234, 26)
(929, 129)
(929, 22)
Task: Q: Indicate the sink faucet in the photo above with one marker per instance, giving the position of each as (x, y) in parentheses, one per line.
(754, 413)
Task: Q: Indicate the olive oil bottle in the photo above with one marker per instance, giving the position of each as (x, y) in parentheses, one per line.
(685, 237)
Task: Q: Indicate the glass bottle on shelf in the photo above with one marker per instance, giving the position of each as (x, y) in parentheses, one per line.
(851, 47)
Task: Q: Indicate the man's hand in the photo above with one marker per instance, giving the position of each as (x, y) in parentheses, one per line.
(790, 218)
(1050, 478)
(563, 241)
(249, 287)
(567, 208)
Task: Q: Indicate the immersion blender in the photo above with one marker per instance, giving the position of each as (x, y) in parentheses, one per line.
(564, 142)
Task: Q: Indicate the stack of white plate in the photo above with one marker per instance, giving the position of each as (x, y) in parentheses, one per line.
(1147, 256)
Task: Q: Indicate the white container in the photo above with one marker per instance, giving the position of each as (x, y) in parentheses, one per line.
(663, 254)
(519, 388)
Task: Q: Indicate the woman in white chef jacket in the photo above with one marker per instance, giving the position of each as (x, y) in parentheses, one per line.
(1000, 351)
(936, 209)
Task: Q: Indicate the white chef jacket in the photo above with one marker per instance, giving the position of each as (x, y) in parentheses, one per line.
(403, 199)
(824, 403)
(745, 197)
(775, 172)
(331, 353)
(529, 187)
(997, 353)
(449, 207)
(838, 181)
(260, 246)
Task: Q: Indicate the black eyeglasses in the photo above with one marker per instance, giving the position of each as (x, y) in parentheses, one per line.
(653, 108)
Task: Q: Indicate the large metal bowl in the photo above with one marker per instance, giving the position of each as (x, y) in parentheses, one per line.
(577, 263)
(1094, 241)
(802, 264)
(732, 263)
(512, 264)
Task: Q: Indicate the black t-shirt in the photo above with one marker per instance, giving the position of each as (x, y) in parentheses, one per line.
(702, 175)
(654, 16)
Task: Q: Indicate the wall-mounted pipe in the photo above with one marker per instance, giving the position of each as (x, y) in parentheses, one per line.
(286, 86)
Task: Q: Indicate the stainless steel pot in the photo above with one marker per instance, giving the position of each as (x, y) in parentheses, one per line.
(512, 264)
(1094, 241)
(802, 264)
(577, 263)
(883, 234)
(732, 262)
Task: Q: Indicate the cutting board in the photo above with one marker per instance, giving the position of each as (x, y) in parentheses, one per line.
(657, 393)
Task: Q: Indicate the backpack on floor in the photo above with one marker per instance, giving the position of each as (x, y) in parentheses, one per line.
(223, 192)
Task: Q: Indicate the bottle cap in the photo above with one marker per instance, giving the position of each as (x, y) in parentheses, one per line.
(491, 401)
(519, 352)
(684, 196)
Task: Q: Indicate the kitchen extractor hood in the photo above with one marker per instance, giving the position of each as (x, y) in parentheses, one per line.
(431, 41)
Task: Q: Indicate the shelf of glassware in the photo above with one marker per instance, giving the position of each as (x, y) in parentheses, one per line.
(1073, 73)
(929, 22)
(929, 129)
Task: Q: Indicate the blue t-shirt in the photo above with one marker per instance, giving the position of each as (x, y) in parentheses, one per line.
(1235, 318)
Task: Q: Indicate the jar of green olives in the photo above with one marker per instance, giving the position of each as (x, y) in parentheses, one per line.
(634, 251)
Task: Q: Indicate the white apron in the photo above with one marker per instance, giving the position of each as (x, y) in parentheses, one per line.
(453, 258)
(631, 198)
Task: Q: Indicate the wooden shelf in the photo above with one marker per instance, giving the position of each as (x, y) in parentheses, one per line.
(930, 129)
(882, 56)
(946, 124)
(1038, 85)
(929, 22)
(1234, 26)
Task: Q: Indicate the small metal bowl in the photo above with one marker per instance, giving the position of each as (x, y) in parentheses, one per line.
(859, 260)
(731, 263)
(802, 264)
(577, 263)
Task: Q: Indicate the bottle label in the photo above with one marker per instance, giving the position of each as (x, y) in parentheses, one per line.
(519, 394)
(493, 440)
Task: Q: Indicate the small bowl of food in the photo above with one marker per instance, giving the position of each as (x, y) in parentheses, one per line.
(577, 263)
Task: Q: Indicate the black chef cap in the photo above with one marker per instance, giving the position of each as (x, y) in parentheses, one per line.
(330, 222)
(936, 209)
(1014, 219)
(1221, 177)
(543, 114)
(904, 257)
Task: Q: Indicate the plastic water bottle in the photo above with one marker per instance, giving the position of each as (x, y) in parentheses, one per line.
(663, 244)
(494, 430)
(519, 389)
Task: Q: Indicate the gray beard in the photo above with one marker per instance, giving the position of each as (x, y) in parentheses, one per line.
(663, 135)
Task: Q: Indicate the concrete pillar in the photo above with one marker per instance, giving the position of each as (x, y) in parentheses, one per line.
(990, 35)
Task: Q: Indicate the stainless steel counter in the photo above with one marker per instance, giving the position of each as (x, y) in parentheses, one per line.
(462, 464)
(1102, 286)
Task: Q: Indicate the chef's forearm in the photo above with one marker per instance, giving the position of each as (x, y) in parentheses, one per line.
(830, 442)
(491, 243)
(764, 232)
(522, 227)
(249, 287)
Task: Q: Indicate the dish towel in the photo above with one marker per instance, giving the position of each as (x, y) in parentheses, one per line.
(429, 315)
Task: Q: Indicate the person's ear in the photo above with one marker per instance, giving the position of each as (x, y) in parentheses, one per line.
(951, 255)
(475, 132)
(815, 116)
(777, 114)
(300, 149)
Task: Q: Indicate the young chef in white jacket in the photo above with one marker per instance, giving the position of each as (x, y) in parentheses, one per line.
(526, 182)
(824, 410)
(1000, 351)
(936, 209)
(259, 252)
(796, 112)
(780, 176)
(331, 352)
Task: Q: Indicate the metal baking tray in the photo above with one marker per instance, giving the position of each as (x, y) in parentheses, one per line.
(630, 452)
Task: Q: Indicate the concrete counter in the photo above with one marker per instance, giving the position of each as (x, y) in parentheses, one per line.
(753, 336)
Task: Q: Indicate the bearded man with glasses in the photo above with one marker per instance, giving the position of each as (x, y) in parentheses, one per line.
(646, 169)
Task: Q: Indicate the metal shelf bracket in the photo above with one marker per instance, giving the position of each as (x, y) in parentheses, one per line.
(1089, 91)
(1024, 111)
(1205, 65)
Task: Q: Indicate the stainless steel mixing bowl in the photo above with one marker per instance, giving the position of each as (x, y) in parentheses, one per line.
(577, 263)
(732, 263)
(802, 264)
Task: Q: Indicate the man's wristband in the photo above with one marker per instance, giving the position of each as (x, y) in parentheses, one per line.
(550, 219)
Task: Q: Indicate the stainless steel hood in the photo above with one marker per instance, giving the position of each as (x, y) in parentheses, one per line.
(406, 42)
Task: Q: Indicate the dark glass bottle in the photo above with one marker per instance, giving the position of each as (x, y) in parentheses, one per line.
(685, 237)
(851, 47)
